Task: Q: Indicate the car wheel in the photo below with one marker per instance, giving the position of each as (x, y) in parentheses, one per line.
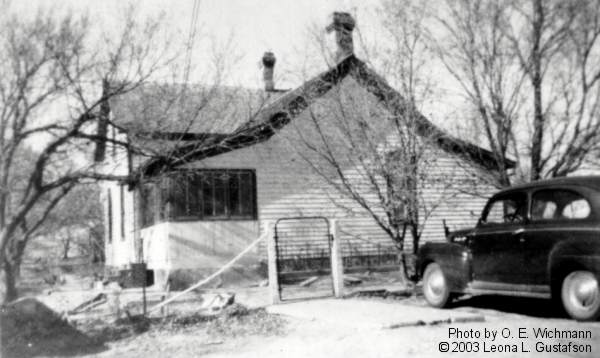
(580, 295)
(435, 287)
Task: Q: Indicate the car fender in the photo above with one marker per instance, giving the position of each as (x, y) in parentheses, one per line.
(573, 254)
(453, 258)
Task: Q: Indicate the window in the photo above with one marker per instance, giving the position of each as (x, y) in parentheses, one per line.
(122, 209)
(229, 194)
(113, 135)
(148, 204)
(508, 209)
(109, 215)
(559, 204)
(202, 195)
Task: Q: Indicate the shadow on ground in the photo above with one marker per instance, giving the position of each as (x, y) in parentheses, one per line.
(534, 307)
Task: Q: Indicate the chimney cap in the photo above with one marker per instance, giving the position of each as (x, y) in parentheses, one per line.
(269, 59)
(341, 21)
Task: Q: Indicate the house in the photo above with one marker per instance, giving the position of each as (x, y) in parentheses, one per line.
(206, 188)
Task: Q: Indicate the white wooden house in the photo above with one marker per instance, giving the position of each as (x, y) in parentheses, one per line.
(242, 165)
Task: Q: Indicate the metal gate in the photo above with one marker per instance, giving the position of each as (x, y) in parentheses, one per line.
(303, 257)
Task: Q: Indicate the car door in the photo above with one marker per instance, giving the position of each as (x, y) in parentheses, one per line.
(495, 245)
(557, 214)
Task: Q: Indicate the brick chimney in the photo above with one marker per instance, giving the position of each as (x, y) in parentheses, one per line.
(342, 23)
(268, 61)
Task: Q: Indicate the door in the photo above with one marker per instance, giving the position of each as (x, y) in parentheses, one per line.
(496, 243)
(557, 214)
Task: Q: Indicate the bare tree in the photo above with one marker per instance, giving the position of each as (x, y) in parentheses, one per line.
(476, 52)
(531, 71)
(75, 222)
(574, 118)
(67, 89)
(51, 75)
(377, 151)
(546, 25)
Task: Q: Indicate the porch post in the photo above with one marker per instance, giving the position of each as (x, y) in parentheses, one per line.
(272, 263)
(337, 262)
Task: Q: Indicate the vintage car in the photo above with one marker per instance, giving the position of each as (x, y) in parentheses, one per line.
(540, 239)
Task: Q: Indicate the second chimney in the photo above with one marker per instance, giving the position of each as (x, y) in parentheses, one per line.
(343, 24)
(268, 61)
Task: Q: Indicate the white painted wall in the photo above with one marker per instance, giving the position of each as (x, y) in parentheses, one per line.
(119, 244)
(287, 186)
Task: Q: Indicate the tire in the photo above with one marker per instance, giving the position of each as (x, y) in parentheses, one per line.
(435, 286)
(580, 295)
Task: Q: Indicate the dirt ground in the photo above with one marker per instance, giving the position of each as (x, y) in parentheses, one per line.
(314, 338)
(247, 330)
(254, 333)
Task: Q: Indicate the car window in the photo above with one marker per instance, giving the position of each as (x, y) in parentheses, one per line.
(578, 209)
(509, 209)
(559, 204)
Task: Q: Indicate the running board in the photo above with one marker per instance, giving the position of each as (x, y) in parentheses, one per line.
(495, 288)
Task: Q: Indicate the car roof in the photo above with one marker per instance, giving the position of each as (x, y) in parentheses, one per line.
(590, 181)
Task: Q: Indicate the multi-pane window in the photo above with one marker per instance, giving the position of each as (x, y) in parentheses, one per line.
(201, 195)
(229, 194)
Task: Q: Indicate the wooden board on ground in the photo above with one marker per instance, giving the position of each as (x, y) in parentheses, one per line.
(309, 281)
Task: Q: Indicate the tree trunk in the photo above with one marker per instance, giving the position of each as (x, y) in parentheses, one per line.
(403, 265)
(403, 270)
(536, 82)
(9, 269)
(8, 287)
(66, 247)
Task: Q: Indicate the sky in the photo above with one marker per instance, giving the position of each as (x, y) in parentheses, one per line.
(252, 26)
(248, 28)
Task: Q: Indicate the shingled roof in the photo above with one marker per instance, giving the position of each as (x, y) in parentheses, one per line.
(174, 108)
(263, 115)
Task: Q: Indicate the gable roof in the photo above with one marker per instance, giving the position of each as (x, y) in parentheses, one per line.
(276, 111)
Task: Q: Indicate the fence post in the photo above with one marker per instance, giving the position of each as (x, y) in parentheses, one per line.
(337, 261)
(272, 263)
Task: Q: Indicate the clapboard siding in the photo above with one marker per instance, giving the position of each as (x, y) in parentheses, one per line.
(292, 180)
(288, 186)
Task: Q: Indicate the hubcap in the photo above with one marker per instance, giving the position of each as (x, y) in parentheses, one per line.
(436, 283)
(583, 290)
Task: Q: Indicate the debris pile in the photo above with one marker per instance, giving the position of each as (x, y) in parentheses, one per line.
(28, 327)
